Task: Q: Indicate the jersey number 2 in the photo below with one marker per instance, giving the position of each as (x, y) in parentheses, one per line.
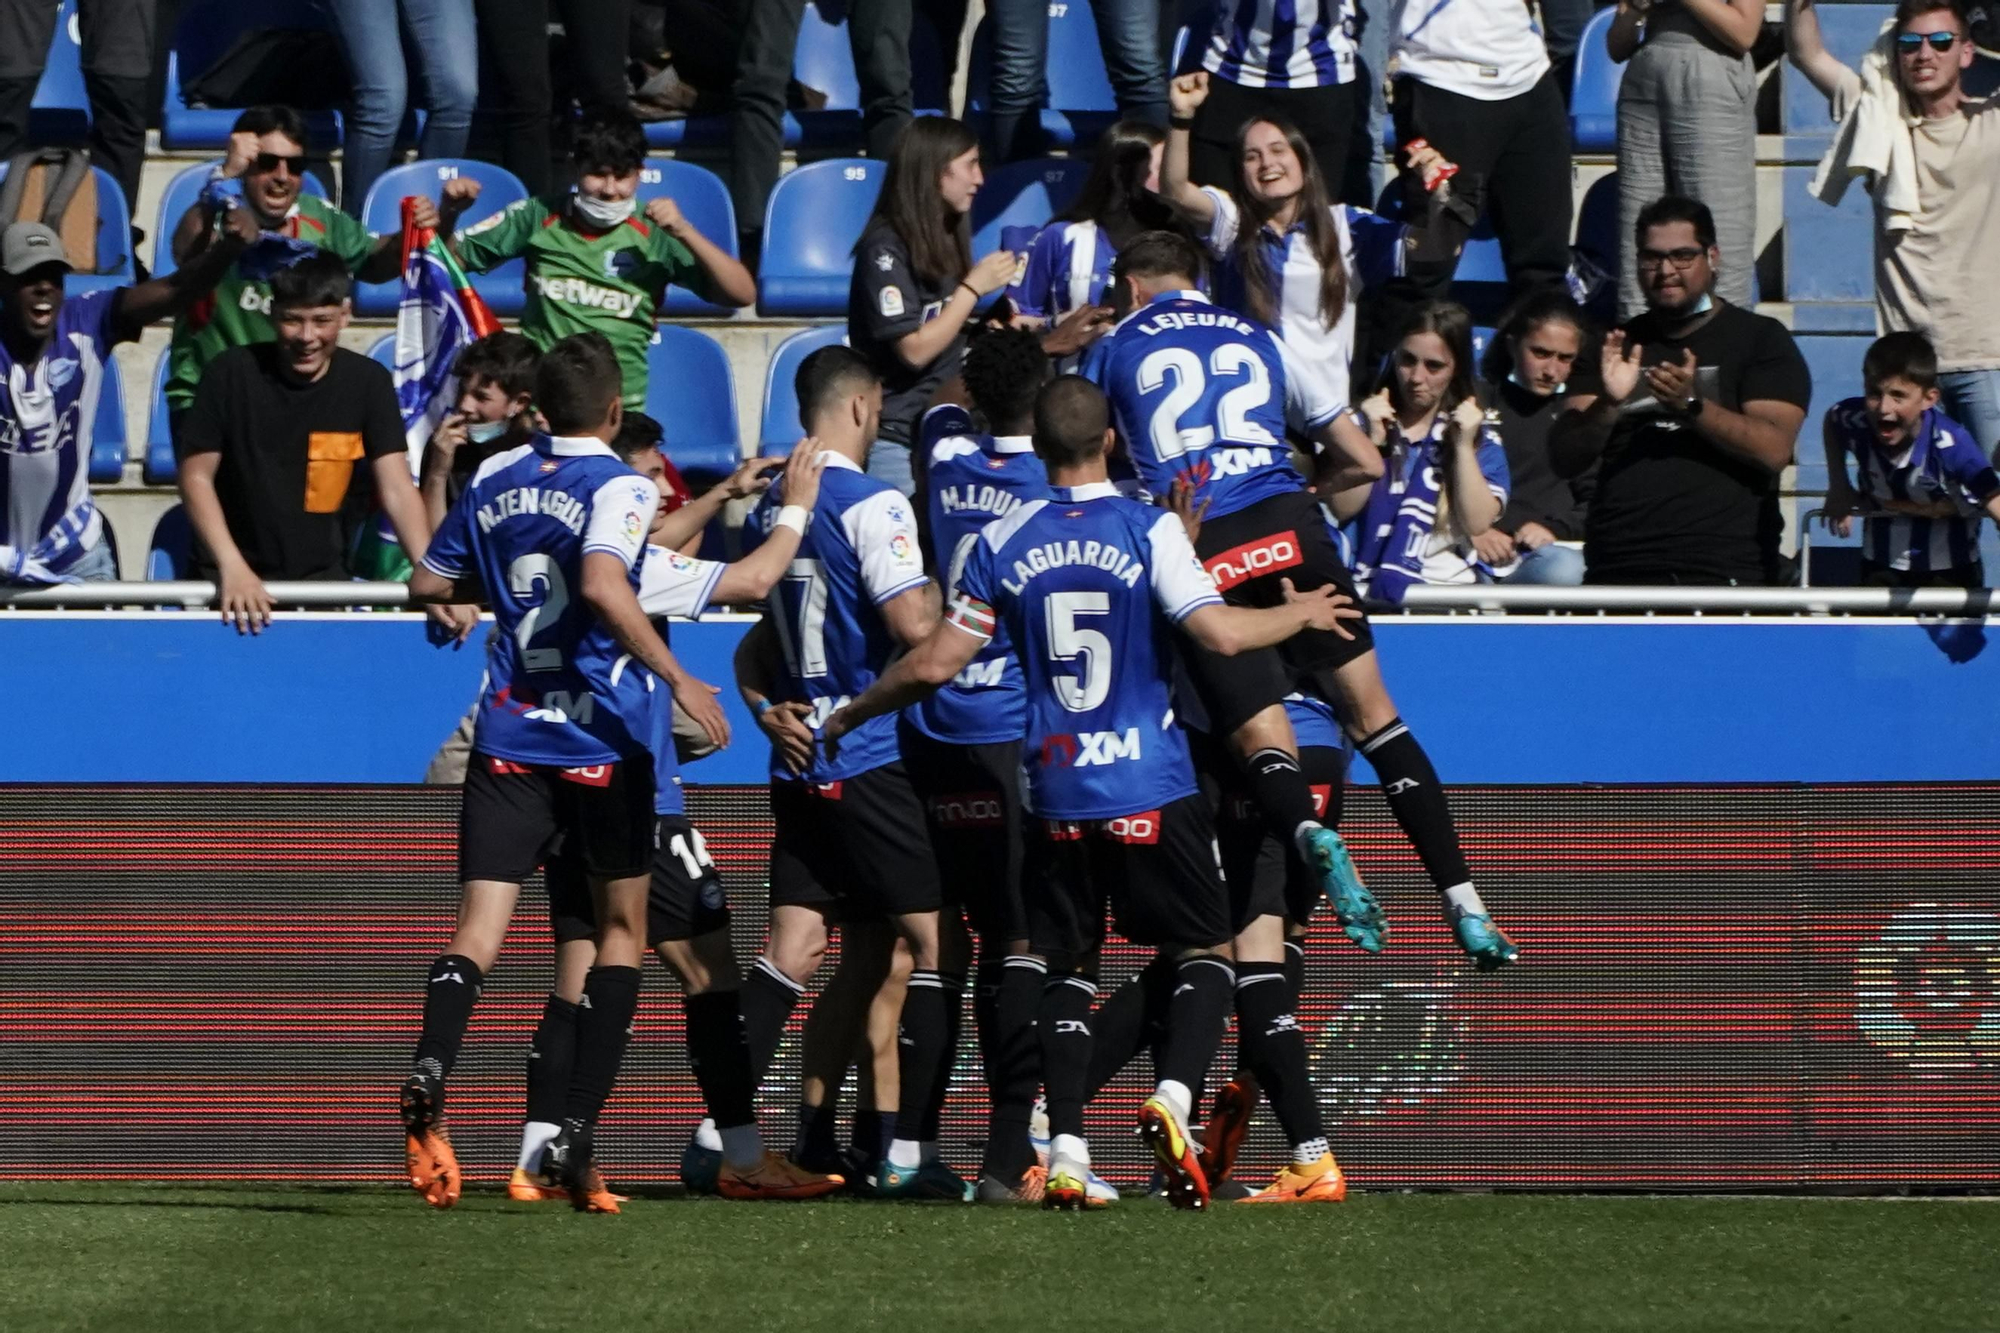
(1190, 385)
(522, 576)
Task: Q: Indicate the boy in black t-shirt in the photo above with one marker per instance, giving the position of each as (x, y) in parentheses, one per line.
(1693, 410)
(268, 450)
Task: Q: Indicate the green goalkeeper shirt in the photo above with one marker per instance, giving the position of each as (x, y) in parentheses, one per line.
(610, 282)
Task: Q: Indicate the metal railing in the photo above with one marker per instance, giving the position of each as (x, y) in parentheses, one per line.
(1425, 598)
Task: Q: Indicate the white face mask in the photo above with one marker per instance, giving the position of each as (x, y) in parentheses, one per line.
(601, 214)
(485, 432)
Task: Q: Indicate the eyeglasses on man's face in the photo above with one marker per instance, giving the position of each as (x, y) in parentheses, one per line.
(1909, 43)
(1683, 258)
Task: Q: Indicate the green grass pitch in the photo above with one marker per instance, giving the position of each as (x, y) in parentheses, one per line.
(173, 1257)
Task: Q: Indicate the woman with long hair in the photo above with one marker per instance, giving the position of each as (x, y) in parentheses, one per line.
(1446, 479)
(1538, 537)
(915, 285)
(1285, 254)
(1069, 261)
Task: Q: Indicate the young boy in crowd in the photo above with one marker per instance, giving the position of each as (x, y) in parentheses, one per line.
(1922, 472)
(596, 260)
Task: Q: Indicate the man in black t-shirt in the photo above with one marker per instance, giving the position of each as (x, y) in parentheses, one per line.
(268, 450)
(1692, 413)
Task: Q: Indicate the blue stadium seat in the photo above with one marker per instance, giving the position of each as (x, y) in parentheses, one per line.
(1848, 31)
(159, 467)
(171, 552)
(502, 288)
(1593, 100)
(811, 224)
(1828, 251)
(704, 201)
(181, 194)
(1835, 363)
(383, 352)
(1597, 222)
(202, 34)
(107, 434)
(1024, 194)
(114, 238)
(60, 110)
(1079, 104)
(691, 393)
(781, 426)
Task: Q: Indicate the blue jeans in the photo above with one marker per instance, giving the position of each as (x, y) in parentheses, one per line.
(1972, 399)
(97, 565)
(1550, 566)
(1127, 30)
(445, 40)
(890, 462)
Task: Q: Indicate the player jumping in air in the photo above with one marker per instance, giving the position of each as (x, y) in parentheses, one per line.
(1089, 587)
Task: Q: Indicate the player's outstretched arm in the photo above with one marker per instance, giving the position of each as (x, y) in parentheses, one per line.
(607, 591)
(751, 578)
(914, 676)
(1230, 630)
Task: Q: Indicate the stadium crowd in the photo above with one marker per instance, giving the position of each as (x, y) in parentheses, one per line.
(1200, 416)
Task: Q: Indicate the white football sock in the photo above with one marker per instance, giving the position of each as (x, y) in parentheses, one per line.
(706, 1138)
(1305, 1154)
(1463, 900)
(535, 1136)
(1069, 1148)
(1177, 1095)
(905, 1154)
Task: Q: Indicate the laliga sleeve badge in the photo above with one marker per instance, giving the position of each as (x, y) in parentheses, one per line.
(892, 300)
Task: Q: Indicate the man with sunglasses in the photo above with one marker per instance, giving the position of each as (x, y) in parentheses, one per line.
(1935, 263)
(261, 176)
(1693, 409)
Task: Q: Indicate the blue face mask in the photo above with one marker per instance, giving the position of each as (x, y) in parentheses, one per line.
(1703, 306)
(485, 432)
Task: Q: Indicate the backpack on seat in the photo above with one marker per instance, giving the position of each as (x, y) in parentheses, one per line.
(56, 186)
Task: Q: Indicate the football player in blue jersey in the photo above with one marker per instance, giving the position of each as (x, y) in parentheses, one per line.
(963, 744)
(851, 848)
(554, 532)
(1208, 398)
(687, 915)
(1089, 587)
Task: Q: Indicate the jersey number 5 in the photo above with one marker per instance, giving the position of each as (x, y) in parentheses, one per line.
(1069, 642)
(1190, 386)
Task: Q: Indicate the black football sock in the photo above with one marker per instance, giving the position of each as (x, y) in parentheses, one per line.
(818, 1140)
(451, 990)
(1295, 967)
(1132, 1020)
(921, 1052)
(1205, 990)
(1279, 787)
(720, 1058)
(1417, 801)
(551, 1058)
(986, 979)
(603, 1027)
(869, 1138)
(1063, 1022)
(953, 986)
(1014, 1068)
(767, 1001)
(1275, 1051)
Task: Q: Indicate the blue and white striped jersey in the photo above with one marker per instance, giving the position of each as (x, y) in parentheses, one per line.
(48, 412)
(1940, 463)
(1068, 266)
(859, 551)
(974, 480)
(523, 527)
(1089, 587)
(1371, 246)
(1282, 43)
(1205, 394)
